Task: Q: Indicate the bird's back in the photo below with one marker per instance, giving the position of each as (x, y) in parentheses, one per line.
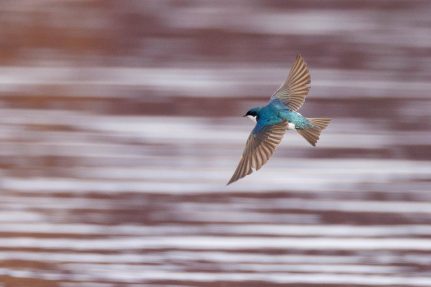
(284, 113)
(296, 118)
(268, 115)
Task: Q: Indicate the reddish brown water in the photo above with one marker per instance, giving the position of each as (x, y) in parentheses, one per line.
(120, 126)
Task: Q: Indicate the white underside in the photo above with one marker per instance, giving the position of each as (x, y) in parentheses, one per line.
(291, 126)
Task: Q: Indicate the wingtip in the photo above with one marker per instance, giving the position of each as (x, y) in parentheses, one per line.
(299, 56)
(230, 181)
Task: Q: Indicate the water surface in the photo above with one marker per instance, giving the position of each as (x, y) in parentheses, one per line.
(120, 126)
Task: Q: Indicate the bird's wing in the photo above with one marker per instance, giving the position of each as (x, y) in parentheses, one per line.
(294, 90)
(258, 149)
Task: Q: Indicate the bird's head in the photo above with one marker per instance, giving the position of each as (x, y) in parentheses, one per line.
(253, 114)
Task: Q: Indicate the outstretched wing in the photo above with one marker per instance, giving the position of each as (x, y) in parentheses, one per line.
(294, 90)
(258, 149)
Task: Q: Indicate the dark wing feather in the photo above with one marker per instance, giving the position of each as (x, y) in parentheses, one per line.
(294, 90)
(258, 149)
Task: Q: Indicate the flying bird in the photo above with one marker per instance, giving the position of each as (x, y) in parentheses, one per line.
(279, 115)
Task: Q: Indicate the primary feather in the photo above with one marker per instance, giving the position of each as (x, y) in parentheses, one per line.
(294, 90)
(258, 149)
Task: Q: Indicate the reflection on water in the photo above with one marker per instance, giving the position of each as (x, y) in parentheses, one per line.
(120, 130)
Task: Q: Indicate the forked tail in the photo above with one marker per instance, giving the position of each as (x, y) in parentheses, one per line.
(312, 134)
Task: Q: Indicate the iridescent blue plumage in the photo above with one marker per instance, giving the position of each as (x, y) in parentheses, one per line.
(276, 112)
(276, 117)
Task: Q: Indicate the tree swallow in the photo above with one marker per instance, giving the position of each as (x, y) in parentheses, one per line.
(279, 115)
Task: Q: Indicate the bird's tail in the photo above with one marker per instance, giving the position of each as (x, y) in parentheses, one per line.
(312, 134)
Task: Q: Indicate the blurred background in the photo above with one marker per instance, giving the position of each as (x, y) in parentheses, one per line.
(120, 124)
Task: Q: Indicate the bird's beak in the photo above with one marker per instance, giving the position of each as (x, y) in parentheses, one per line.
(244, 115)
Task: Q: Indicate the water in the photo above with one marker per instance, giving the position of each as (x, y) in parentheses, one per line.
(120, 130)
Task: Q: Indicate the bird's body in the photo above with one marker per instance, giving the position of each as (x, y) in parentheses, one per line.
(273, 119)
(276, 112)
